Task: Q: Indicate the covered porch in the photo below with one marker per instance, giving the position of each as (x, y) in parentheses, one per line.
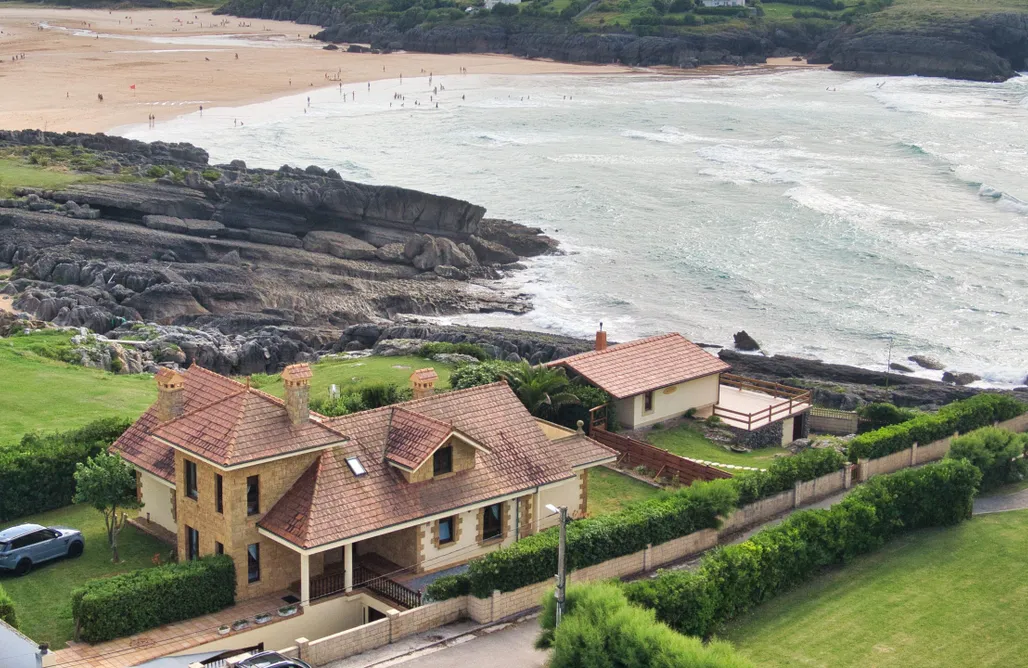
(749, 404)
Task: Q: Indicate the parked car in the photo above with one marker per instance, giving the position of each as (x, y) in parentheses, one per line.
(271, 660)
(26, 545)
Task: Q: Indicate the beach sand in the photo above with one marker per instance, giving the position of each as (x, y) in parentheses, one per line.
(55, 86)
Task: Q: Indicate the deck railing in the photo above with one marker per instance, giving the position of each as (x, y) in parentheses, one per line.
(792, 398)
(327, 584)
(383, 586)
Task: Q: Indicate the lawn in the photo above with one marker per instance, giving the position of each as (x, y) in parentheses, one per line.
(42, 599)
(942, 598)
(43, 394)
(14, 172)
(610, 491)
(352, 373)
(687, 441)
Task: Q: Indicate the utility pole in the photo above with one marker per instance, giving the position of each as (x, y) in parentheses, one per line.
(561, 551)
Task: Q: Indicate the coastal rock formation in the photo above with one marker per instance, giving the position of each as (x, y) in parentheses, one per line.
(745, 342)
(927, 362)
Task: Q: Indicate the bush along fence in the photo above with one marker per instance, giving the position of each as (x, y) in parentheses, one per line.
(139, 600)
(734, 579)
(7, 613)
(981, 410)
(37, 474)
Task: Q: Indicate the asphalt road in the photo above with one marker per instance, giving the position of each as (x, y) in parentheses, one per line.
(507, 647)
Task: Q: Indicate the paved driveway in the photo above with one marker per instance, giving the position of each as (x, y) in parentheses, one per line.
(509, 646)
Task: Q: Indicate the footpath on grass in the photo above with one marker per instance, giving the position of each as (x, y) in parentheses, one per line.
(1001, 503)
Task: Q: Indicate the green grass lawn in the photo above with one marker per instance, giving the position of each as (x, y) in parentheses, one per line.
(14, 172)
(687, 441)
(352, 373)
(41, 394)
(941, 598)
(42, 599)
(610, 491)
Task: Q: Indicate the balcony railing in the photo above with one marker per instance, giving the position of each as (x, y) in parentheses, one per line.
(383, 586)
(327, 584)
(792, 398)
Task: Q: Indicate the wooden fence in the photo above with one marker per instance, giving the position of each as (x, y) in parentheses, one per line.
(663, 463)
(831, 421)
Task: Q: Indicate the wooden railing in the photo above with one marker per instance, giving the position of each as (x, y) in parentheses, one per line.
(383, 586)
(792, 397)
(667, 464)
(327, 584)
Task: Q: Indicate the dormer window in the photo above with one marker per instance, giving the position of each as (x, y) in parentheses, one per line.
(442, 461)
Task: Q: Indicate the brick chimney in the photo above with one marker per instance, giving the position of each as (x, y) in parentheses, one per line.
(297, 380)
(171, 394)
(601, 338)
(422, 382)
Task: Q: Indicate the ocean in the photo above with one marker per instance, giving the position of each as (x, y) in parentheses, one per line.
(831, 215)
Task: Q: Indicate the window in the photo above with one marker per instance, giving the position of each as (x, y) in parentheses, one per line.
(219, 548)
(192, 543)
(253, 495)
(442, 461)
(492, 523)
(30, 539)
(191, 491)
(219, 484)
(356, 466)
(446, 531)
(253, 562)
(647, 402)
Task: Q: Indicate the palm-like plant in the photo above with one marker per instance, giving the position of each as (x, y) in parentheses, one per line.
(542, 390)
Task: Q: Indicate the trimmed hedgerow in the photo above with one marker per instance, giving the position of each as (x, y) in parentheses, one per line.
(444, 348)
(37, 473)
(783, 473)
(880, 415)
(473, 375)
(734, 579)
(967, 415)
(448, 586)
(595, 540)
(132, 602)
(7, 613)
(997, 453)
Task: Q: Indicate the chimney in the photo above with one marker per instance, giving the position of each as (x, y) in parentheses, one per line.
(601, 338)
(297, 380)
(422, 382)
(171, 394)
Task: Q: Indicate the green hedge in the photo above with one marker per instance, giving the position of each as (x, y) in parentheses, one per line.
(734, 579)
(7, 609)
(139, 600)
(443, 348)
(37, 473)
(979, 411)
(997, 453)
(878, 415)
(595, 540)
(448, 586)
(473, 375)
(601, 629)
(783, 473)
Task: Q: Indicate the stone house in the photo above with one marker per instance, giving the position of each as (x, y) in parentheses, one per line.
(324, 506)
(663, 377)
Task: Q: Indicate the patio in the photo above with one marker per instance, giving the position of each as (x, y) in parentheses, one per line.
(747, 403)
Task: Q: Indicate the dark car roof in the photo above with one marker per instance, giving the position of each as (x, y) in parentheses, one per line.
(270, 660)
(14, 532)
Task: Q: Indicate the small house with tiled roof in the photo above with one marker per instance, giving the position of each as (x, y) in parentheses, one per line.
(325, 507)
(666, 376)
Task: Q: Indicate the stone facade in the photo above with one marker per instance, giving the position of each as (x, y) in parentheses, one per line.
(766, 437)
(463, 460)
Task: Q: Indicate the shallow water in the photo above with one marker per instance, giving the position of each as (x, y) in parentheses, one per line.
(826, 213)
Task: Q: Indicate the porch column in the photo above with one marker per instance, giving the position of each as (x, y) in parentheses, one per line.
(348, 565)
(305, 580)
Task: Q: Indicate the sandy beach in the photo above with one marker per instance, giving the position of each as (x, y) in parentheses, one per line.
(178, 60)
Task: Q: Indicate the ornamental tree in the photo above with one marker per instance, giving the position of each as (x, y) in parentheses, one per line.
(108, 484)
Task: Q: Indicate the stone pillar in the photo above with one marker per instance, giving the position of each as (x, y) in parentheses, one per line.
(862, 473)
(305, 580)
(913, 454)
(648, 557)
(296, 378)
(796, 494)
(847, 473)
(348, 566)
(391, 615)
(171, 394)
(302, 651)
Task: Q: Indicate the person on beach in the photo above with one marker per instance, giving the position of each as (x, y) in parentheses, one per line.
(201, 110)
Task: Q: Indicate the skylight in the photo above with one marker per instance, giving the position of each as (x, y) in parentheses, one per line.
(356, 466)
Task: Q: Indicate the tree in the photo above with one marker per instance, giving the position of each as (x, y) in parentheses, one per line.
(541, 389)
(109, 485)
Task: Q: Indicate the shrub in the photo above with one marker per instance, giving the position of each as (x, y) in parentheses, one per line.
(139, 600)
(344, 404)
(713, 420)
(156, 172)
(448, 586)
(997, 453)
(979, 411)
(594, 540)
(473, 375)
(785, 472)
(602, 629)
(733, 579)
(880, 415)
(7, 613)
(376, 395)
(37, 474)
(211, 174)
(443, 348)
(589, 397)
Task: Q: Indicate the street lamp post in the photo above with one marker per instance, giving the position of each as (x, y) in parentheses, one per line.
(561, 550)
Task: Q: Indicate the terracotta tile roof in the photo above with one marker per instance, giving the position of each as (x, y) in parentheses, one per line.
(644, 365)
(413, 437)
(582, 451)
(425, 374)
(246, 426)
(136, 445)
(297, 372)
(329, 503)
